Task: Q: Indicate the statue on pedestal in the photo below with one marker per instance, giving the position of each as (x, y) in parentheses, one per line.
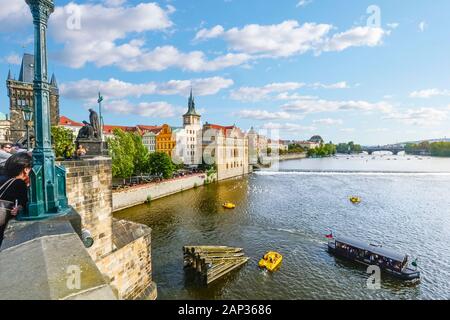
(90, 138)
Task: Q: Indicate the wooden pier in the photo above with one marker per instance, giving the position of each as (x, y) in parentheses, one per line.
(211, 263)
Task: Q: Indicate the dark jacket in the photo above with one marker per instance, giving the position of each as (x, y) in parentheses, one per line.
(17, 191)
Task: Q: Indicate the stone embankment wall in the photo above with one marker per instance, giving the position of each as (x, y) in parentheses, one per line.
(140, 194)
(122, 249)
(292, 156)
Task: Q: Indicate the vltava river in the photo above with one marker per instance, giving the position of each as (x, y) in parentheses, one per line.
(406, 206)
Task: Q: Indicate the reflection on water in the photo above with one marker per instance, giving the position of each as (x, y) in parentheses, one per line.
(290, 213)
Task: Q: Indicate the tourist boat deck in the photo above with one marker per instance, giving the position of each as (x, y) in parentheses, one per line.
(368, 254)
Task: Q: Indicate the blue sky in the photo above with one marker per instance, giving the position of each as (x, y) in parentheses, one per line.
(344, 69)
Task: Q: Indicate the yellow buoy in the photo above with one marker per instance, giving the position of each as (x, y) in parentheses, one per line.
(355, 200)
(271, 261)
(229, 205)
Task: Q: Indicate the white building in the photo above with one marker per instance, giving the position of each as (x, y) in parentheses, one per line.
(227, 149)
(191, 136)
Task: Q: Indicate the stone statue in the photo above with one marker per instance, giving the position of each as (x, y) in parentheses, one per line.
(95, 123)
(89, 140)
(86, 132)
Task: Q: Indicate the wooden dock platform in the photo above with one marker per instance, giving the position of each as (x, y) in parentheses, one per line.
(211, 263)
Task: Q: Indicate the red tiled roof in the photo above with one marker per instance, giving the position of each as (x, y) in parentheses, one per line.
(110, 129)
(64, 121)
(225, 129)
(147, 128)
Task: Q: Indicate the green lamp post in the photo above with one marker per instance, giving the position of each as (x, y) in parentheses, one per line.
(47, 195)
(27, 113)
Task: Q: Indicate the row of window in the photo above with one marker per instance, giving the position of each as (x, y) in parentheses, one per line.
(234, 165)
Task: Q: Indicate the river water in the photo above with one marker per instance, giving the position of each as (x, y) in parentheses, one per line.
(289, 209)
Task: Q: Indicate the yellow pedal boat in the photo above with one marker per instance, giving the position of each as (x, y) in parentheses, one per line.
(355, 200)
(229, 205)
(271, 261)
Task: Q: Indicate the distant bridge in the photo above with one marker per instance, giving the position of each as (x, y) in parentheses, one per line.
(395, 149)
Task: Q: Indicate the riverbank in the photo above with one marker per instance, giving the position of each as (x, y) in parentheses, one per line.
(292, 156)
(138, 195)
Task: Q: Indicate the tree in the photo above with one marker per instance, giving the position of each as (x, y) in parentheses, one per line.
(122, 151)
(141, 155)
(63, 142)
(160, 164)
(348, 148)
(440, 149)
(325, 150)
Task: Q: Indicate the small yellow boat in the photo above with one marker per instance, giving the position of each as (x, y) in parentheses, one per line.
(229, 205)
(355, 200)
(271, 261)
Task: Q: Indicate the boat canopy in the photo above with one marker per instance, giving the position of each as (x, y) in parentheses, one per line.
(384, 252)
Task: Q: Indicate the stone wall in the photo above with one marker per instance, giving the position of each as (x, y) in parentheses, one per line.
(89, 185)
(121, 249)
(132, 249)
(139, 195)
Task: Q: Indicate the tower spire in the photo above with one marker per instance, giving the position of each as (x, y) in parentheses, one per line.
(53, 82)
(9, 75)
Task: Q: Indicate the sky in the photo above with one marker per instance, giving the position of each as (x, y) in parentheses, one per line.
(373, 72)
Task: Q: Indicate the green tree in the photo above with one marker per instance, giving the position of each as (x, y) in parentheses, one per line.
(63, 142)
(440, 149)
(160, 164)
(122, 151)
(141, 154)
(325, 150)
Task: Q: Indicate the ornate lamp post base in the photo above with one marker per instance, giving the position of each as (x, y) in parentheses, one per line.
(47, 195)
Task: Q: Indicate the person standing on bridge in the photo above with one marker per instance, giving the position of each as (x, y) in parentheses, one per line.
(14, 188)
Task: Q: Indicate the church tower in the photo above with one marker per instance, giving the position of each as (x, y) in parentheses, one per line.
(192, 154)
(191, 117)
(20, 93)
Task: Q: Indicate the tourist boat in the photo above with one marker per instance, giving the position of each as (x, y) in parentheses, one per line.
(389, 261)
(229, 205)
(271, 261)
(355, 200)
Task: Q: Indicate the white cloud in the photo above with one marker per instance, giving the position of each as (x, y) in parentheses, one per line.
(424, 117)
(422, 26)
(13, 59)
(294, 96)
(260, 93)
(114, 3)
(254, 94)
(429, 93)
(290, 38)
(117, 89)
(282, 40)
(338, 85)
(162, 58)
(204, 34)
(113, 35)
(317, 106)
(329, 122)
(14, 15)
(265, 115)
(91, 32)
(143, 109)
(288, 127)
(356, 37)
(303, 3)
(393, 25)
(348, 130)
